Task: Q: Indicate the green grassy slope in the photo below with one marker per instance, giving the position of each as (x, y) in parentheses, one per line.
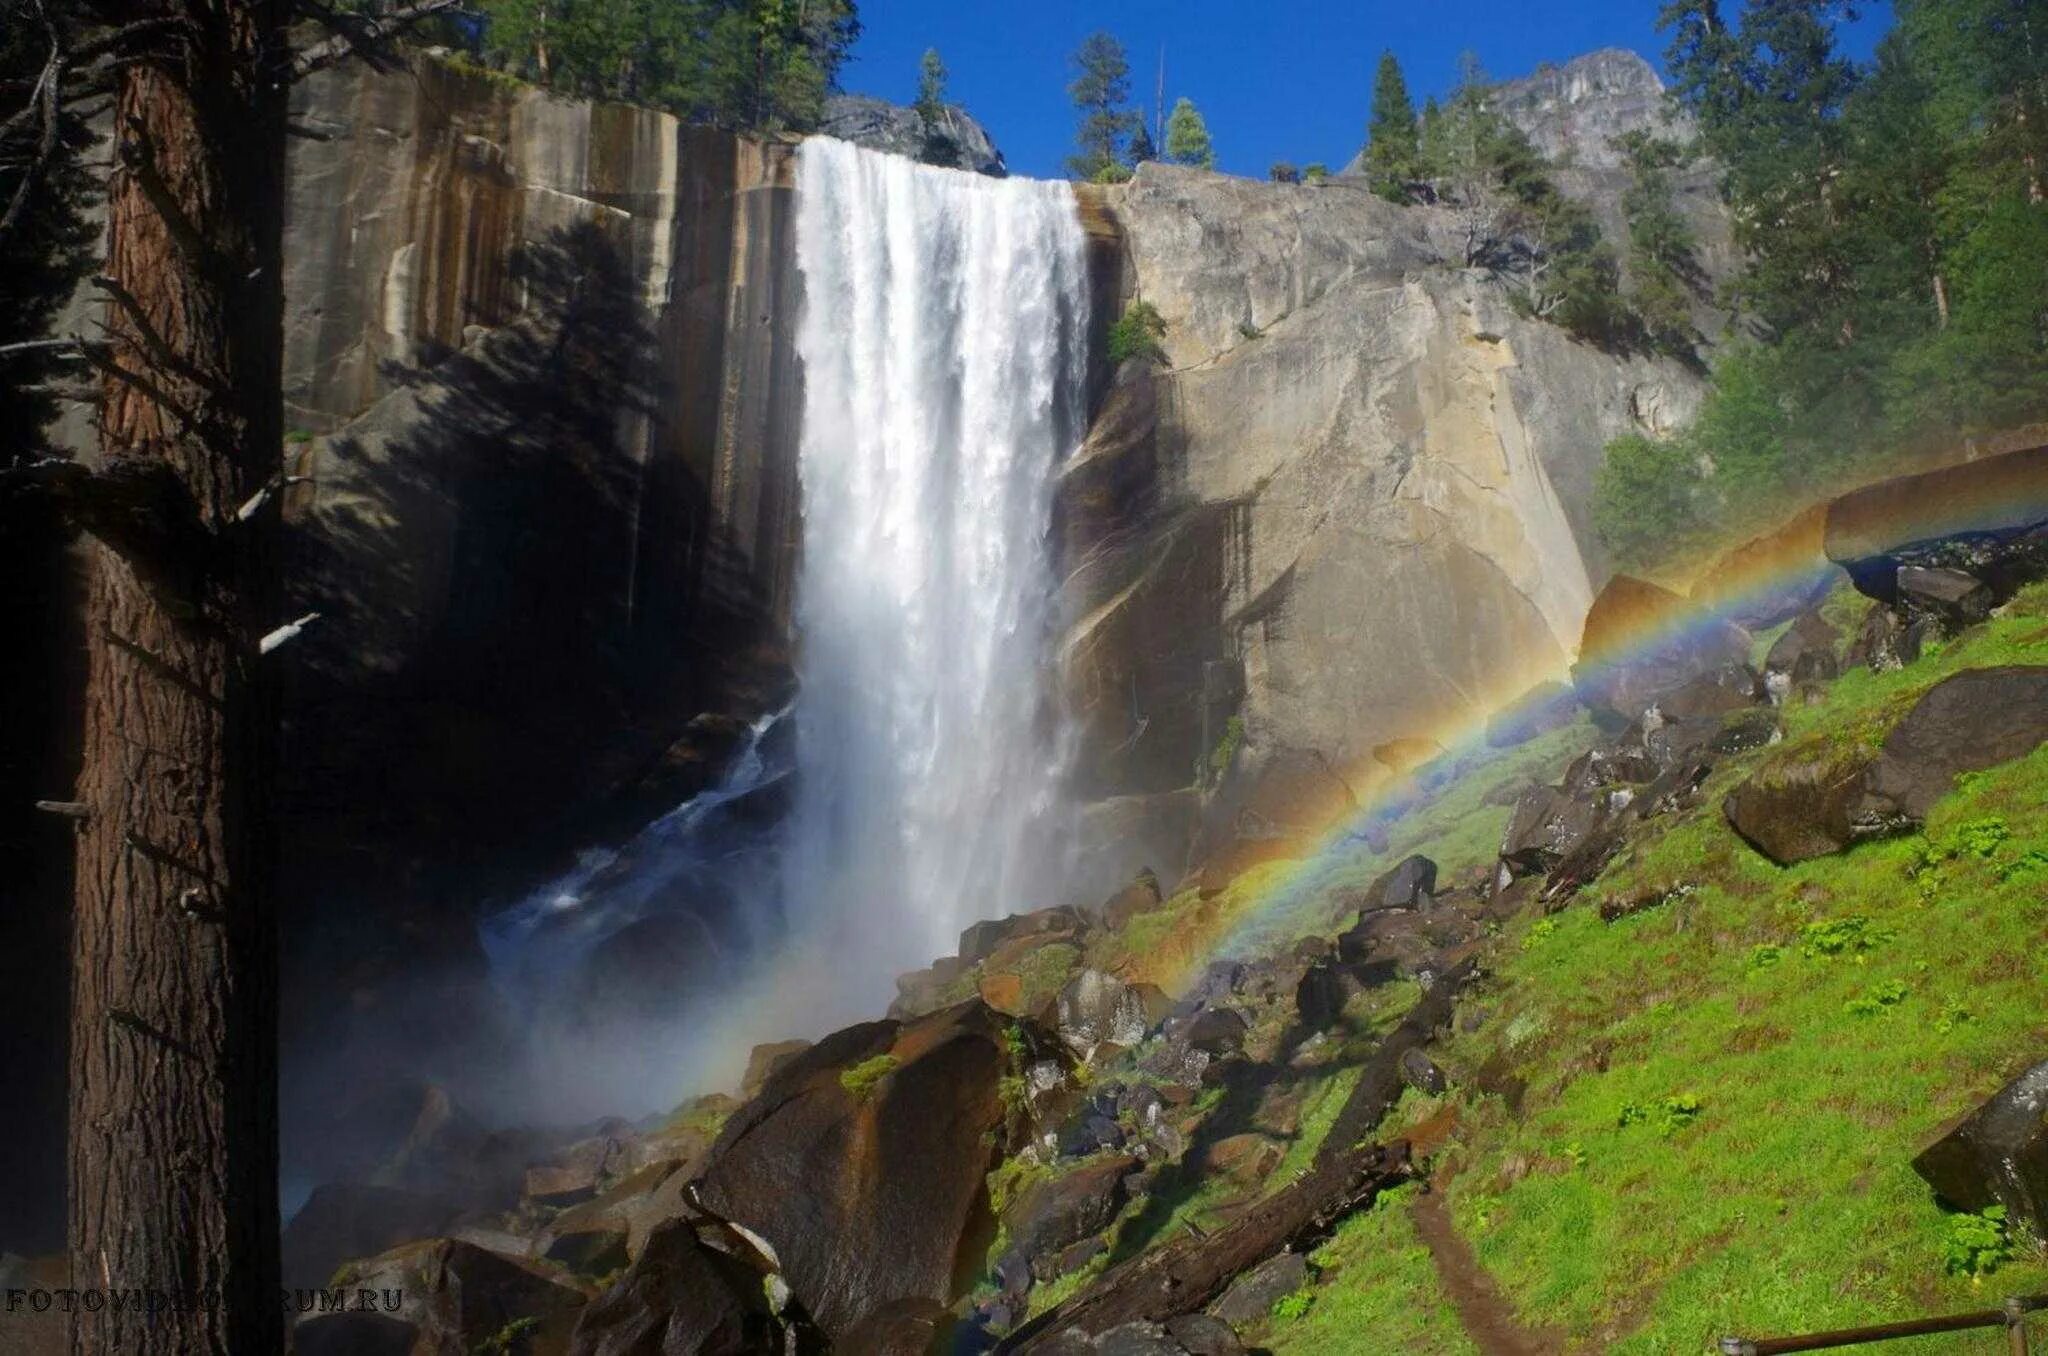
(1721, 1096)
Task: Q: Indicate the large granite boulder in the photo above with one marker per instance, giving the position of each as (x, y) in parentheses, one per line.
(682, 1296)
(1809, 651)
(1075, 1205)
(861, 1162)
(345, 1220)
(1804, 806)
(1971, 721)
(1997, 1154)
(1642, 643)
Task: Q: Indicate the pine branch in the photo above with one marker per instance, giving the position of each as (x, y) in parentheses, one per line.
(358, 35)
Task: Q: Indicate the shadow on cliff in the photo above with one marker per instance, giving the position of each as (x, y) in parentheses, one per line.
(522, 602)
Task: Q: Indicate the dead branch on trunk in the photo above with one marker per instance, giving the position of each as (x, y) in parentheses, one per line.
(359, 34)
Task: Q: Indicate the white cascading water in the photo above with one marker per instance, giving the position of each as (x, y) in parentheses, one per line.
(943, 339)
(943, 342)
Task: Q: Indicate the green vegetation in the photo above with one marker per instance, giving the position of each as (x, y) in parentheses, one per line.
(1100, 89)
(1136, 333)
(1664, 272)
(1225, 752)
(1374, 1276)
(1724, 1095)
(1895, 231)
(1315, 172)
(507, 1340)
(1393, 146)
(930, 105)
(1187, 137)
(861, 1080)
(1284, 172)
(755, 64)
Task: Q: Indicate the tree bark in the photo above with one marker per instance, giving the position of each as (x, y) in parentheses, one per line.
(173, 1125)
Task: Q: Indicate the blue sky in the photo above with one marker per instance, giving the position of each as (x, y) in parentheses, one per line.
(1276, 79)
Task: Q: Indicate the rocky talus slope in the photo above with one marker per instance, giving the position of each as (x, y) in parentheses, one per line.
(1632, 1055)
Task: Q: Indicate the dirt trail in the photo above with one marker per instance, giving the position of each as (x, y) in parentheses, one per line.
(1489, 1320)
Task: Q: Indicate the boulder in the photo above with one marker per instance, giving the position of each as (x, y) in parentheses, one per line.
(1213, 1030)
(1250, 1299)
(1949, 596)
(1142, 895)
(681, 1296)
(862, 1161)
(1883, 641)
(912, 1326)
(1204, 1335)
(1320, 997)
(1997, 1154)
(764, 1060)
(636, 1205)
(455, 1298)
(1407, 886)
(1053, 1215)
(576, 1173)
(1543, 708)
(1797, 808)
(1713, 694)
(1971, 721)
(1625, 763)
(593, 1247)
(1546, 826)
(1641, 643)
(1420, 1072)
(926, 991)
(1044, 926)
(1137, 1339)
(1960, 515)
(344, 1220)
(1097, 1008)
(1808, 652)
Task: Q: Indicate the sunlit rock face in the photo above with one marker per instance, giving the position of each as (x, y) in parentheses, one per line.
(1351, 507)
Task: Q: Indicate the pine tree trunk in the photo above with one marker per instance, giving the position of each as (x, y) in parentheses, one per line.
(173, 1131)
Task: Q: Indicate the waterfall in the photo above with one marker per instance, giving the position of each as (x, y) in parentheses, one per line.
(943, 344)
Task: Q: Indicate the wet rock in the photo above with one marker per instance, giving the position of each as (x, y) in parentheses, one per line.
(1251, 1297)
(1407, 886)
(956, 139)
(1743, 731)
(1546, 826)
(1997, 1154)
(576, 1173)
(344, 1220)
(912, 1326)
(872, 1185)
(1420, 1072)
(591, 1246)
(982, 940)
(1092, 1129)
(1097, 1008)
(682, 1295)
(1056, 1214)
(1971, 721)
(764, 1060)
(1204, 1335)
(1141, 896)
(1623, 764)
(456, 1296)
(636, 1205)
(1808, 652)
(922, 992)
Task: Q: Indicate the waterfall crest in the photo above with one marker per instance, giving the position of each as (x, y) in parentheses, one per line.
(943, 343)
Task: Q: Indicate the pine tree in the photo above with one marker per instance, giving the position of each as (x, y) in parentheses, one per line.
(936, 142)
(1142, 148)
(1099, 90)
(1187, 137)
(1393, 151)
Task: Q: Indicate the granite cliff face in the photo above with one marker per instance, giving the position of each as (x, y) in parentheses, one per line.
(1350, 510)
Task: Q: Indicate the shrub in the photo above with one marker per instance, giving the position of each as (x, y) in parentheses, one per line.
(1977, 1245)
(1541, 932)
(1315, 173)
(1851, 936)
(1981, 837)
(1136, 334)
(1225, 752)
(1889, 994)
(1291, 1307)
(1283, 172)
(861, 1080)
(1764, 955)
(1112, 173)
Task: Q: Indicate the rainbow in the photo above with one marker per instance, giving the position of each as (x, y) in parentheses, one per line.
(1768, 579)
